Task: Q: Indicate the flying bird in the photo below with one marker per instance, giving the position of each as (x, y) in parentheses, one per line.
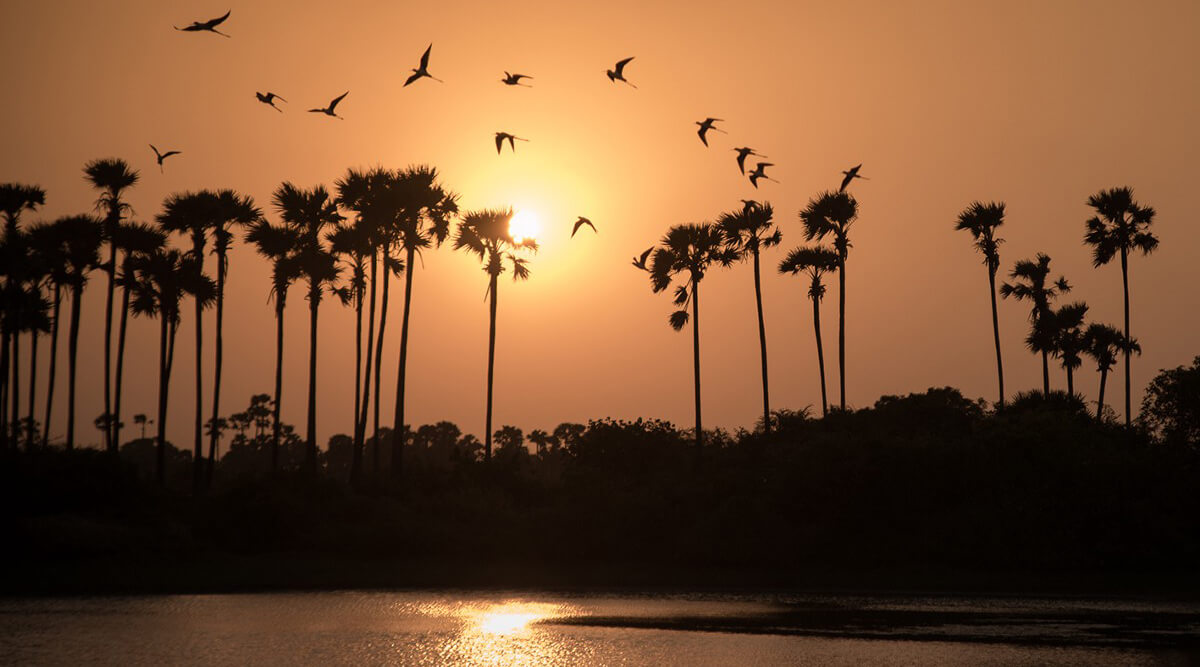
(501, 136)
(423, 70)
(515, 79)
(760, 171)
(640, 262)
(209, 25)
(743, 152)
(850, 176)
(162, 156)
(328, 111)
(581, 222)
(269, 100)
(618, 72)
(706, 125)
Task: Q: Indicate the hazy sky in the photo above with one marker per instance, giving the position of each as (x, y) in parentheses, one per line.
(1038, 104)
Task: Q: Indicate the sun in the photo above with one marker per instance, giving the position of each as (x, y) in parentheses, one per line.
(524, 225)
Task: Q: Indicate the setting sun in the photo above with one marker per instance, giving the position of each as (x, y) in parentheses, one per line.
(524, 225)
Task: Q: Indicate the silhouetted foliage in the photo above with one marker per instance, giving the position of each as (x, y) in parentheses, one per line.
(1171, 405)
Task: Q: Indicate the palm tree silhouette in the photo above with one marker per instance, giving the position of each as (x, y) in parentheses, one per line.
(134, 239)
(485, 234)
(816, 261)
(1102, 343)
(746, 232)
(141, 420)
(354, 242)
(82, 237)
(832, 214)
(111, 177)
(33, 317)
(48, 240)
(981, 220)
(15, 198)
(688, 250)
(1069, 337)
(279, 244)
(1120, 227)
(311, 213)
(1030, 284)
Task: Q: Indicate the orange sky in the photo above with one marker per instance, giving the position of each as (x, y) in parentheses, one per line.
(1037, 104)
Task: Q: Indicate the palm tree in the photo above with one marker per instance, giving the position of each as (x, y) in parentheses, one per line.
(15, 198)
(135, 239)
(49, 242)
(1069, 338)
(689, 250)
(1103, 342)
(278, 244)
(982, 220)
(82, 237)
(311, 213)
(111, 176)
(141, 420)
(832, 214)
(1122, 226)
(816, 261)
(486, 235)
(34, 318)
(746, 232)
(1030, 284)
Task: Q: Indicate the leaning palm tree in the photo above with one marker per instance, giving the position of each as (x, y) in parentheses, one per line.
(111, 176)
(832, 214)
(49, 242)
(82, 237)
(485, 234)
(816, 261)
(311, 213)
(1031, 283)
(689, 250)
(982, 220)
(1120, 227)
(746, 232)
(1103, 343)
(135, 239)
(1069, 339)
(278, 244)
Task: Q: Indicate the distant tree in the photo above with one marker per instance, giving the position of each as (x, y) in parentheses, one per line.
(510, 437)
(1120, 227)
(567, 434)
(815, 261)
(141, 420)
(1171, 405)
(543, 441)
(1102, 344)
(982, 220)
(831, 214)
(215, 430)
(1031, 283)
(135, 240)
(1069, 338)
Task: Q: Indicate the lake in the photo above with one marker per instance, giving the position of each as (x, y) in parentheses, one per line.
(534, 628)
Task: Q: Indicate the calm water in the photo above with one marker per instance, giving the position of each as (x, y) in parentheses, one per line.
(457, 627)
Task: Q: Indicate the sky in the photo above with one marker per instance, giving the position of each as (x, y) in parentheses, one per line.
(1037, 104)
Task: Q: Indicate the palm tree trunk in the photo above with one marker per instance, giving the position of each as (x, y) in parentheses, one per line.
(279, 304)
(1125, 287)
(696, 361)
(14, 388)
(120, 371)
(820, 355)
(487, 447)
(72, 357)
(108, 313)
(310, 451)
(398, 433)
(217, 361)
(1045, 374)
(1100, 398)
(198, 427)
(842, 329)
(383, 309)
(360, 436)
(33, 355)
(762, 344)
(4, 382)
(1070, 382)
(358, 372)
(996, 334)
(52, 372)
(164, 379)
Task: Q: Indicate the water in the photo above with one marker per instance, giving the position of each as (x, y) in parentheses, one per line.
(524, 628)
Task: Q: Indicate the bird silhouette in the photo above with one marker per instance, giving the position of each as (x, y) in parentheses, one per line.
(618, 72)
(209, 25)
(760, 171)
(706, 125)
(743, 152)
(640, 262)
(162, 156)
(328, 111)
(850, 176)
(501, 136)
(269, 100)
(581, 222)
(423, 70)
(515, 79)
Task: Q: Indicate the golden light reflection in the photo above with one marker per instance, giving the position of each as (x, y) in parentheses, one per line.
(503, 632)
(506, 622)
(524, 225)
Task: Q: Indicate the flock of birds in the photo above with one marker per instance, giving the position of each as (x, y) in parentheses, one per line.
(617, 73)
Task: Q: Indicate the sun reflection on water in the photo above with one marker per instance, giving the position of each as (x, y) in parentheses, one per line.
(504, 632)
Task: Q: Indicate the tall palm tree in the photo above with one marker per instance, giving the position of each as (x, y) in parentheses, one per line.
(816, 261)
(134, 239)
(746, 232)
(111, 176)
(831, 214)
(485, 234)
(311, 213)
(689, 250)
(15, 198)
(982, 220)
(279, 245)
(1103, 343)
(49, 242)
(162, 279)
(35, 319)
(82, 237)
(1121, 226)
(1031, 283)
(1070, 340)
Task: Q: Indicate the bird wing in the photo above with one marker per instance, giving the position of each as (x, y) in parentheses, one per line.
(621, 66)
(646, 254)
(334, 103)
(499, 142)
(425, 57)
(701, 132)
(170, 153)
(742, 161)
(218, 21)
(156, 153)
(846, 181)
(413, 77)
(518, 77)
(581, 222)
(274, 96)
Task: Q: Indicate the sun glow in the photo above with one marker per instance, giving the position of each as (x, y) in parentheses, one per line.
(524, 225)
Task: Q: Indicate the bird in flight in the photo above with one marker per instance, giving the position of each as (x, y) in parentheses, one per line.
(162, 156)
(706, 125)
(209, 25)
(501, 136)
(743, 152)
(581, 222)
(423, 70)
(640, 262)
(850, 176)
(515, 79)
(269, 100)
(328, 111)
(760, 171)
(618, 72)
